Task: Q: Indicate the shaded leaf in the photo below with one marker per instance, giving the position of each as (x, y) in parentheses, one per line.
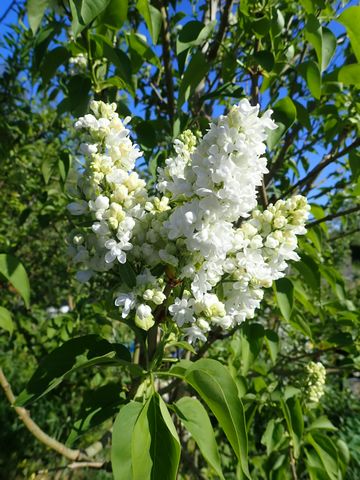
(52, 61)
(13, 270)
(80, 352)
(284, 291)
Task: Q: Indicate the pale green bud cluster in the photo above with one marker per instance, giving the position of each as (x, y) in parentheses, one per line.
(315, 381)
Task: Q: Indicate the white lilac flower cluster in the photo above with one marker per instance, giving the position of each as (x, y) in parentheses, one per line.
(110, 194)
(316, 377)
(77, 64)
(204, 227)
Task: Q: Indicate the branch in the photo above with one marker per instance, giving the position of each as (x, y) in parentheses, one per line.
(329, 158)
(166, 43)
(73, 466)
(34, 428)
(292, 464)
(7, 11)
(332, 216)
(214, 48)
(344, 234)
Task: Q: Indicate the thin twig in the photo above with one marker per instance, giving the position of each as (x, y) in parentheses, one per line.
(214, 47)
(166, 44)
(344, 234)
(73, 466)
(292, 464)
(333, 215)
(7, 11)
(327, 160)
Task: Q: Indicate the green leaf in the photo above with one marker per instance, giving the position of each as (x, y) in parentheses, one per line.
(309, 271)
(354, 162)
(272, 342)
(121, 460)
(313, 35)
(195, 72)
(146, 134)
(277, 23)
(216, 387)
(52, 61)
(302, 115)
(284, 116)
(196, 420)
(350, 74)
(252, 337)
(350, 18)
(308, 5)
(265, 59)
(312, 76)
(322, 423)
(323, 41)
(80, 352)
(97, 406)
(6, 321)
(35, 11)
(328, 47)
(153, 435)
(47, 167)
(183, 345)
(78, 95)
(284, 291)
(295, 421)
(118, 58)
(192, 34)
(326, 450)
(83, 12)
(140, 51)
(273, 436)
(115, 13)
(13, 270)
(261, 26)
(127, 274)
(64, 165)
(152, 17)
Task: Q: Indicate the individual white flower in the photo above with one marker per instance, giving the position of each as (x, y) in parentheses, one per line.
(117, 251)
(182, 311)
(194, 333)
(127, 302)
(64, 309)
